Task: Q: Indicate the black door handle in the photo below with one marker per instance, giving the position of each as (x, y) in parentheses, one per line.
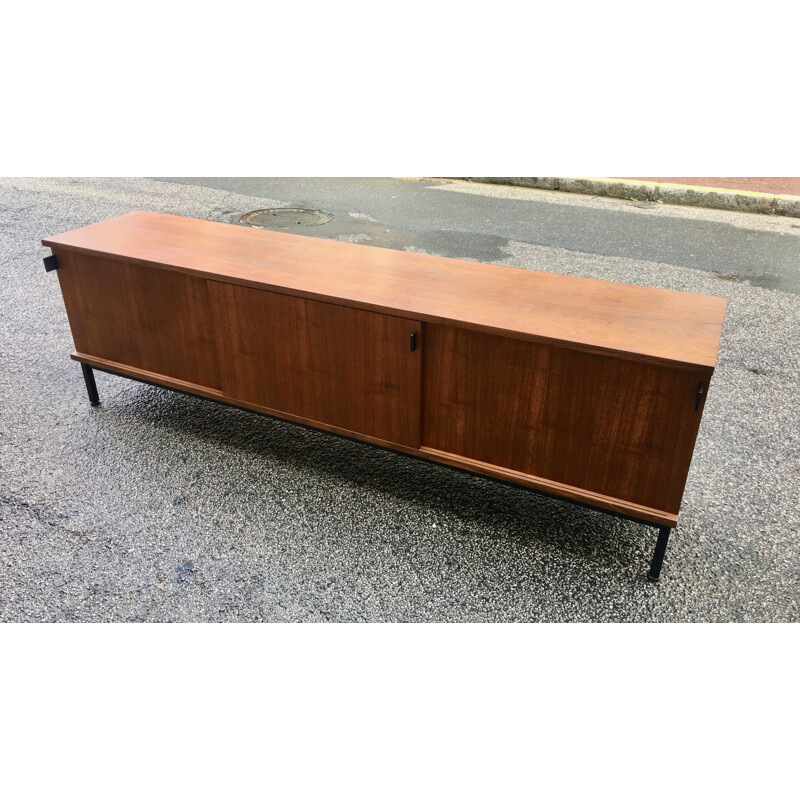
(699, 396)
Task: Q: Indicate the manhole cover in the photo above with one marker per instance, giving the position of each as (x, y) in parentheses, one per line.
(286, 217)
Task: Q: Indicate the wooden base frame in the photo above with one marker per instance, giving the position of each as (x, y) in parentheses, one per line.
(664, 531)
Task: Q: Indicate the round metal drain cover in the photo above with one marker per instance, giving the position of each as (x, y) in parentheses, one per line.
(286, 217)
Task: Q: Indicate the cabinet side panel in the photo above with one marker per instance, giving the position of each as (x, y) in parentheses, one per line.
(325, 363)
(613, 426)
(153, 319)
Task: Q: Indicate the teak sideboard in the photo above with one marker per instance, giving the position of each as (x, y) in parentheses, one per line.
(584, 389)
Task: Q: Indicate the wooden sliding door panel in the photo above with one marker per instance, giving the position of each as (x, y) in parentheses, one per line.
(149, 318)
(615, 426)
(340, 366)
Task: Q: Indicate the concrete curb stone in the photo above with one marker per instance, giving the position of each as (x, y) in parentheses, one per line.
(672, 193)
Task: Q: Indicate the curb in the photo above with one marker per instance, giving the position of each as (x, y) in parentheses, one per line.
(673, 193)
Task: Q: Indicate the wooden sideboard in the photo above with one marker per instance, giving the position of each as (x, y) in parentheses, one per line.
(584, 389)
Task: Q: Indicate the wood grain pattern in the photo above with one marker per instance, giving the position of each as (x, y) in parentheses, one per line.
(563, 490)
(154, 319)
(600, 424)
(580, 388)
(351, 369)
(636, 322)
(528, 481)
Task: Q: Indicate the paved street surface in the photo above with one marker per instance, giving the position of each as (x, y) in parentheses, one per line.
(158, 506)
(473, 220)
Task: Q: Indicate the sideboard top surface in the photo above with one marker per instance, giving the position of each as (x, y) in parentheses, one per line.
(589, 314)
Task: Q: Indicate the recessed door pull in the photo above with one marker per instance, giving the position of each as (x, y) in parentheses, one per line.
(699, 397)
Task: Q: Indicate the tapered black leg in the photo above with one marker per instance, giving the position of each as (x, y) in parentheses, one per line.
(658, 556)
(91, 386)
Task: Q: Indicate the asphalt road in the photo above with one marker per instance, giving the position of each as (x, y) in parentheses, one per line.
(157, 506)
(477, 221)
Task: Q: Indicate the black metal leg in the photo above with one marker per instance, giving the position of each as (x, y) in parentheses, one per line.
(658, 556)
(91, 386)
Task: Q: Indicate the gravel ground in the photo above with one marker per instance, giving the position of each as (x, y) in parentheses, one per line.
(160, 507)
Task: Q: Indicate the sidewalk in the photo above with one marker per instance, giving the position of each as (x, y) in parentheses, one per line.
(768, 185)
(757, 195)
